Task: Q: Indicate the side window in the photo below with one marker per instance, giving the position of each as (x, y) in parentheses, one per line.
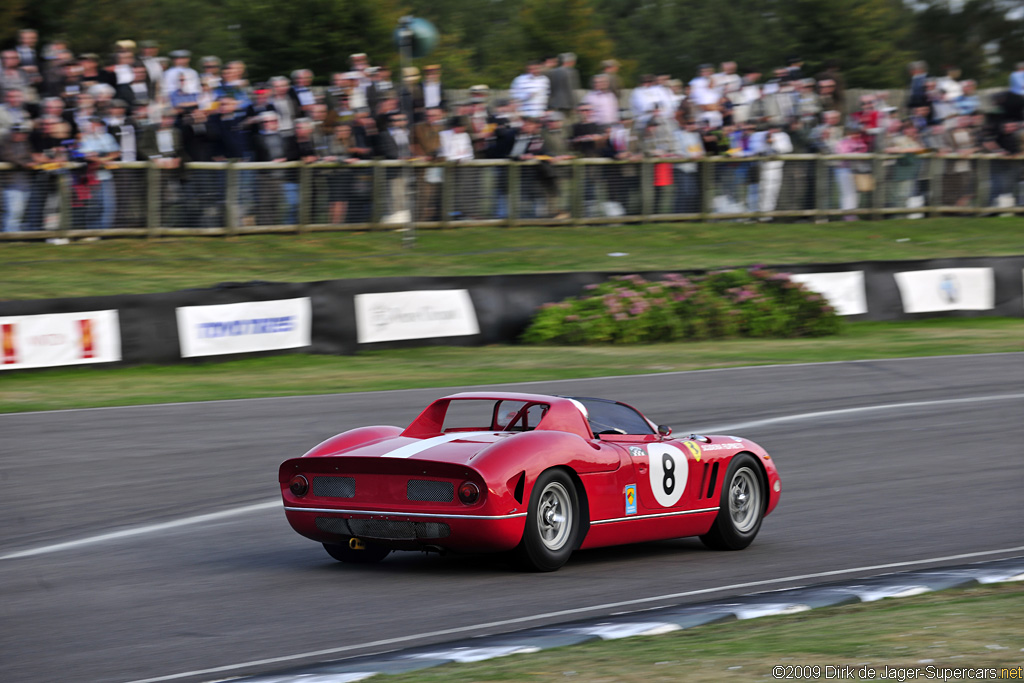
(614, 418)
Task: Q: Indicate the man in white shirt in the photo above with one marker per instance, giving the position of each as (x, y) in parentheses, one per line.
(644, 100)
(530, 91)
(702, 90)
(172, 77)
(727, 81)
(456, 145)
(433, 91)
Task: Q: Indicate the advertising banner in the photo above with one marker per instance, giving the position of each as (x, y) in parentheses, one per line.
(53, 339)
(428, 314)
(844, 290)
(947, 289)
(245, 327)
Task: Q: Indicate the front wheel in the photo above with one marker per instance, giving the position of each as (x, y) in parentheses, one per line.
(741, 507)
(366, 554)
(552, 523)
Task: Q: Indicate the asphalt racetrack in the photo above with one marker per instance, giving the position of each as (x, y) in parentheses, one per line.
(148, 543)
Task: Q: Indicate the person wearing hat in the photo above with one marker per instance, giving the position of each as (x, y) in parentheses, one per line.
(173, 76)
(433, 90)
(381, 87)
(211, 70)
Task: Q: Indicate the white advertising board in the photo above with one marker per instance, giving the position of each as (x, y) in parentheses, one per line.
(844, 291)
(947, 289)
(394, 316)
(53, 339)
(245, 327)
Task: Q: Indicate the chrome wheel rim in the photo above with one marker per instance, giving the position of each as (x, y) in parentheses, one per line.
(744, 499)
(554, 516)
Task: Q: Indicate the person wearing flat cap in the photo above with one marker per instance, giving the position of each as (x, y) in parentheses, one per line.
(180, 67)
(433, 90)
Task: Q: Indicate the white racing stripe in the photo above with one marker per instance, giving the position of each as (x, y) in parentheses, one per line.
(187, 521)
(422, 445)
(479, 628)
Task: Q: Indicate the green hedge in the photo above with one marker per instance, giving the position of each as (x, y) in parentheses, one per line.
(731, 303)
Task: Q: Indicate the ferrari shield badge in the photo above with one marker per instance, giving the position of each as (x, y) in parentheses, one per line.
(631, 499)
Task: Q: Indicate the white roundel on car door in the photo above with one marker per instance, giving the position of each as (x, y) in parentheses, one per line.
(668, 468)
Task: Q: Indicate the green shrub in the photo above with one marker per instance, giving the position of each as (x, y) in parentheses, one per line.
(731, 303)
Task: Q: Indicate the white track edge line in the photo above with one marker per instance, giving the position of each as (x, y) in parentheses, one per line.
(570, 612)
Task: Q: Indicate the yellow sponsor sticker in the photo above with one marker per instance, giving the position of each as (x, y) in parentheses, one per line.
(694, 449)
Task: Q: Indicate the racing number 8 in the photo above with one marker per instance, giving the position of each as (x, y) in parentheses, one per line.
(668, 472)
(668, 482)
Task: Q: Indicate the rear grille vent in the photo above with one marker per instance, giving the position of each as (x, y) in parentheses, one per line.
(383, 529)
(334, 487)
(333, 525)
(428, 491)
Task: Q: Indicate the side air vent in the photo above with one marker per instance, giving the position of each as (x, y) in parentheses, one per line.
(703, 481)
(427, 491)
(714, 479)
(520, 487)
(334, 487)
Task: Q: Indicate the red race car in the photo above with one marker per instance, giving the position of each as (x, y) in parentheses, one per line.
(539, 476)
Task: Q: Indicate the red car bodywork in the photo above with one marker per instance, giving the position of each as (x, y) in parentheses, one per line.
(622, 488)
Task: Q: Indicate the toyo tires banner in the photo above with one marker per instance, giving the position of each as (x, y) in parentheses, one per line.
(55, 339)
(244, 327)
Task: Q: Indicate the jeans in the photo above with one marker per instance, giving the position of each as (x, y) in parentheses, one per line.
(15, 201)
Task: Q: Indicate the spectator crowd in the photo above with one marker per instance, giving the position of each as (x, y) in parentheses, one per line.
(83, 114)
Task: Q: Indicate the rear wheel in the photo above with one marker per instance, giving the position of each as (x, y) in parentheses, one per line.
(552, 523)
(741, 507)
(366, 554)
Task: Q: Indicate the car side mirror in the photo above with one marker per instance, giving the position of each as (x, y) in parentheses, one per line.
(664, 430)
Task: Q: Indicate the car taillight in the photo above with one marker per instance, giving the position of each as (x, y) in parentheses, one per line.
(469, 492)
(299, 485)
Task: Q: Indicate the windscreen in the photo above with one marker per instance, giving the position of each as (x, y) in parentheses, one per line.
(614, 418)
(484, 415)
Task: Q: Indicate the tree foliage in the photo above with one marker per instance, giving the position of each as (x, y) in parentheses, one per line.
(488, 41)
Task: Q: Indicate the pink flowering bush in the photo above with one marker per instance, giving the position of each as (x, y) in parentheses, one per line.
(733, 303)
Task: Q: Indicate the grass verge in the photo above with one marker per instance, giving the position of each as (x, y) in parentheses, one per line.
(965, 628)
(33, 270)
(298, 374)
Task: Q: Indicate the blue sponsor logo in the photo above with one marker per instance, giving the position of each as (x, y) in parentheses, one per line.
(242, 328)
(631, 499)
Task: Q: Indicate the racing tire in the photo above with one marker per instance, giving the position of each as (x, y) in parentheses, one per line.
(741, 506)
(371, 554)
(552, 524)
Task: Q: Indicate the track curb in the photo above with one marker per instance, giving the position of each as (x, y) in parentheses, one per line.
(653, 622)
